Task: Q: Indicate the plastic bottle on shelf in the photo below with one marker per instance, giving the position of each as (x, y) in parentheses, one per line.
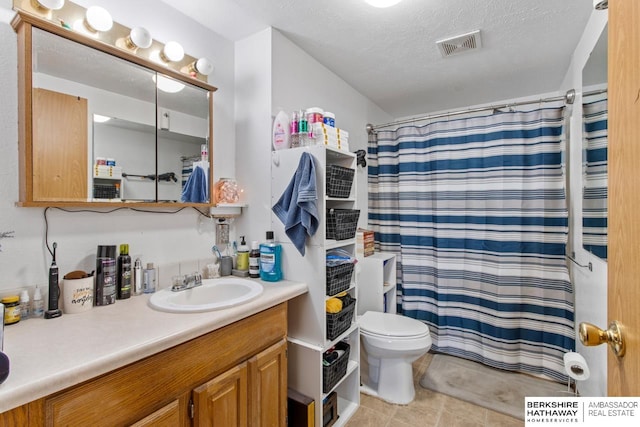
(303, 128)
(293, 126)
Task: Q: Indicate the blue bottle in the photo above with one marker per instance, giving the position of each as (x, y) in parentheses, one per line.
(270, 260)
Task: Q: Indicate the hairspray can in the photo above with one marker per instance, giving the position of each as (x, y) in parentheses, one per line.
(105, 287)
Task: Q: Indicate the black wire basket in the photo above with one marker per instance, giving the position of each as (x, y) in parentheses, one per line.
(342, 223)
(339, 278)
(334, 372)
(339, 181)
(339, 322)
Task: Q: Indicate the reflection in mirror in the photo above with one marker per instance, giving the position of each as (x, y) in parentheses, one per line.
(594, 114)
(103, 132)
(109, 86)
(183, 134)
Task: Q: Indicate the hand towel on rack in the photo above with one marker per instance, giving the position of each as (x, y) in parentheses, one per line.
(195, 189)
(297, 207)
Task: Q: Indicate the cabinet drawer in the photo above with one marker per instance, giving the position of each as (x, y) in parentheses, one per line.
(129, 394)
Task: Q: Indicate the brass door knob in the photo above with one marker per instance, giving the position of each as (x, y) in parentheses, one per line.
(591, 335)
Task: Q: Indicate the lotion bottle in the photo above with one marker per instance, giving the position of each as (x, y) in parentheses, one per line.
(243, 255)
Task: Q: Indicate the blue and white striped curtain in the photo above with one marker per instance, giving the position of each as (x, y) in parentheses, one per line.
(475, 210)
(594, 204)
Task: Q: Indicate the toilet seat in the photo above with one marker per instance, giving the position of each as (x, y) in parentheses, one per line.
(387, 325)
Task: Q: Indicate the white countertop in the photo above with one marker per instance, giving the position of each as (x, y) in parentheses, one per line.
(47, 356)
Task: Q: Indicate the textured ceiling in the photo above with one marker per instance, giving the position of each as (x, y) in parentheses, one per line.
(390, 55)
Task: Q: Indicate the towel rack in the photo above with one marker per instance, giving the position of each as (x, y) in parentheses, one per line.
(589, 265)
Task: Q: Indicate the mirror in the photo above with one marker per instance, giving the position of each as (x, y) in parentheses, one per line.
(108, 130)
(594, 138)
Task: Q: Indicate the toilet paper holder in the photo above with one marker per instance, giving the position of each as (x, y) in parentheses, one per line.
(591, 335)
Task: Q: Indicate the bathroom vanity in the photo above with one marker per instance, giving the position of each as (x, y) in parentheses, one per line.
(127, 364)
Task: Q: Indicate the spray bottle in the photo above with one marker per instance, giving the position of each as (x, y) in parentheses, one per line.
(138, 282)
(54, 289)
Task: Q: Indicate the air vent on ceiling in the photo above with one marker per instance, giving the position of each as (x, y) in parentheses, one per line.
(459, 44)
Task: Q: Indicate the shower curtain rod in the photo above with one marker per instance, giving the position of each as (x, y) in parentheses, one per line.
(594, 92)
(568, 98)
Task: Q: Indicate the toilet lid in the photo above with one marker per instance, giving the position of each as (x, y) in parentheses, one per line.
(388, 324)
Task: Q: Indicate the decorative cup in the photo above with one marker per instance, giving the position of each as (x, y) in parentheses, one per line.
(77, 295)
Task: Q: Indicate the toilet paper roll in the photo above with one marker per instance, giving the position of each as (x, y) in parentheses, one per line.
(575, 366)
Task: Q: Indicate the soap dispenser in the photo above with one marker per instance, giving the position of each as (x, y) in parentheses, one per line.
(243, 255)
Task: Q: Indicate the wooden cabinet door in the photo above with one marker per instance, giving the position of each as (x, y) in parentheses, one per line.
(268, 387)
(60, 146)
(222, 402)
(172, 415)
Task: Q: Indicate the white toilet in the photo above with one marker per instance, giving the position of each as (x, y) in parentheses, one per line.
(391, 344)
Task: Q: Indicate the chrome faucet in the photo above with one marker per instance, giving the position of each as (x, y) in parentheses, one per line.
(189, 281)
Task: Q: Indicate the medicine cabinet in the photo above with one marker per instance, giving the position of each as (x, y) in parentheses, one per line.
(101, 126)
(595, 142)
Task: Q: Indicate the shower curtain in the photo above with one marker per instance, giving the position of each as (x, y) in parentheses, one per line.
(475, 211)
(594, 203)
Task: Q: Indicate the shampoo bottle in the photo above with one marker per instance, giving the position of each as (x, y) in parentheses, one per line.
(124, 273)
(105, 290)
(270, 260)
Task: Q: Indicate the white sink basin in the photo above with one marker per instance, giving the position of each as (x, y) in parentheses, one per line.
(213, 294)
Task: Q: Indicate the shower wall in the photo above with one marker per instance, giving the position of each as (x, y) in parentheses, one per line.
(590, 286)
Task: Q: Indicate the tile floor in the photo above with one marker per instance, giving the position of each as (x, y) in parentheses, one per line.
(429, 409)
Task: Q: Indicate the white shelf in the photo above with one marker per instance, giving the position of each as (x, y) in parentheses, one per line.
(334, 154)
(353, 286)
(333, 244)
(377, 273)
(224, 210)
(346, 409)
(352, 365)
(345, 334)
(340, 199)
(307, 333)
(108, 178)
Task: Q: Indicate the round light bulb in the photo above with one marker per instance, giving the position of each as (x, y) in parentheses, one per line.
(203, 66)
(98, 19)
(139, 37)
(167, 85)
(383, 3)
(172, 52)
(49, 4)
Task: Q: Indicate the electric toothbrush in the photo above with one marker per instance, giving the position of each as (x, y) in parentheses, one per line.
(54, 289)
